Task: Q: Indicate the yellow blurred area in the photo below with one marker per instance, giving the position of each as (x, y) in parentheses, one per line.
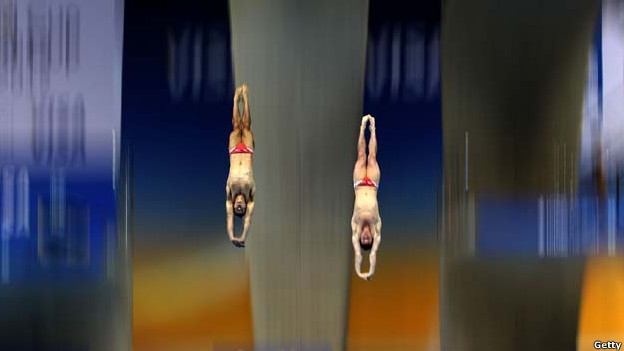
(398, 308)
(602, 302)
(184, 301)
(191, 299)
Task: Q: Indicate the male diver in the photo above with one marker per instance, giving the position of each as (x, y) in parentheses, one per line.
(366, 222)
(240, 187)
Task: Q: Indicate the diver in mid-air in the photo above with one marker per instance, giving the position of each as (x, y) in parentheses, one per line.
(366, 221)
(240, 187)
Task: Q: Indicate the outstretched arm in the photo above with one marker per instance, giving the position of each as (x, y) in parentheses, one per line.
(248, 215)
(229, 208)
(355, 240)
(373, 254)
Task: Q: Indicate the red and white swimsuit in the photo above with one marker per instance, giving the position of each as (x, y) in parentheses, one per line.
(366, 181)
(241, 149)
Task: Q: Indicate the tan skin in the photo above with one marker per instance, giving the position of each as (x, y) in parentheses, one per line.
(366, 220)
(240, 187)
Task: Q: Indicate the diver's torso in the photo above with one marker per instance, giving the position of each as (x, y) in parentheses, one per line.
(366, 202)
(240, 179)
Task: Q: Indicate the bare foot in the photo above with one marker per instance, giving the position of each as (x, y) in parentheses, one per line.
(237, 94)
(371, 126)
(364, 120)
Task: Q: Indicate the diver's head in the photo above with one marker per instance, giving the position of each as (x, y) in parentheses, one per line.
(240, 205)
(366, 238)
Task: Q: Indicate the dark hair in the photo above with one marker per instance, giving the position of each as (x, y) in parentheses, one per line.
(366, 247)
(244, 209)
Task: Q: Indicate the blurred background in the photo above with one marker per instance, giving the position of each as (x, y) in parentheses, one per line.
(498, 129)
(65, 277)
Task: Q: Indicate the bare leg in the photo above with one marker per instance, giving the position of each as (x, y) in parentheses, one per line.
(372, 168)
(236, 118)
(246, 113)
(235, 138)
(247, 134)
(248, 138)
(359, 171)
(236, 135)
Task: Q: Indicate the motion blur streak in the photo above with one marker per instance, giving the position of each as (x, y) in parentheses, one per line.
(602, 311)
(304, 64)
(65, 253)
(513, 79)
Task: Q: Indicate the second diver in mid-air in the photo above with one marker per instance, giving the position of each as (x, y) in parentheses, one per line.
(240, 188)
(366, 221)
